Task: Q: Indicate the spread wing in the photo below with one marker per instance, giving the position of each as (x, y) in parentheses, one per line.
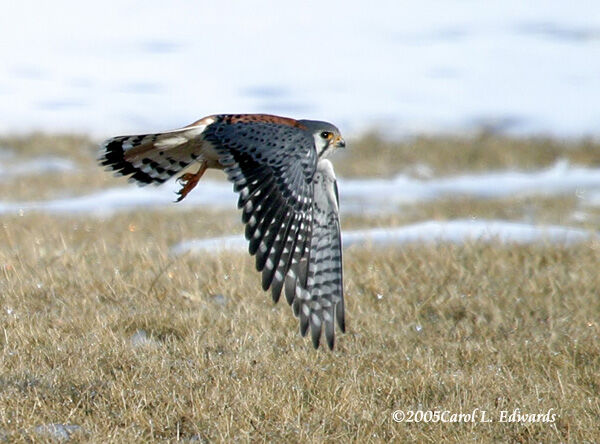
(271, 165)
(289, 205)
(319, 302)
(287, 196)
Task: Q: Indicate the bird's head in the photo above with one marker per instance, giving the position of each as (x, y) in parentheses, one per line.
(327, 137)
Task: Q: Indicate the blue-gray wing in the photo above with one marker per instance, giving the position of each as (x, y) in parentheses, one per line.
(271, 162)
(319, 301)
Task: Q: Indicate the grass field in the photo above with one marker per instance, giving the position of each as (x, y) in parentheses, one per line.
(112, 339)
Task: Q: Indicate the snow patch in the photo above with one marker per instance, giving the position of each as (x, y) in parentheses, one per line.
(357, 195)
(378, 194)
(506, 65)
(108, 202)
(39, 165)
(457, 231)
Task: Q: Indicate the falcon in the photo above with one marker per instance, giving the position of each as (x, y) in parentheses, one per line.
(287, 193)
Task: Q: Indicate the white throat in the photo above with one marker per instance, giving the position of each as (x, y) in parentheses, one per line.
(322, 146)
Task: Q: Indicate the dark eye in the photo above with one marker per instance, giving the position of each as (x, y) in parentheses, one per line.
(326, 135)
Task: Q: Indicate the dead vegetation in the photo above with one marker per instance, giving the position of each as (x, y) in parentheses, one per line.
(103, 329)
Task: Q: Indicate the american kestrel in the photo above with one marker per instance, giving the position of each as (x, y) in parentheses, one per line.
(287, 192)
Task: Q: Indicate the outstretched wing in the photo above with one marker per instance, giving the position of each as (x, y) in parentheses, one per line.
(271, 162)
(320, 301)
(288, 199)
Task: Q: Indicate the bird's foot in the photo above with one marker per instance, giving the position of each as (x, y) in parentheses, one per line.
(189, 181)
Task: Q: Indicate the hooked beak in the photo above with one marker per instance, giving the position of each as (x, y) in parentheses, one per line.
(340, 143)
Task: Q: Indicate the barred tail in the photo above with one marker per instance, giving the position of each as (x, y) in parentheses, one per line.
(152, 158)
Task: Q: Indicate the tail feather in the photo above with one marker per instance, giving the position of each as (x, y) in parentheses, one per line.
(152, 158)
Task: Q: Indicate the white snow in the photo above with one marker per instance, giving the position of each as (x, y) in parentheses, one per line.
(456, 231)
(107, 202)
(10, 168)
(124, 66)
(590, 198)
(381, 194)
(357, 195)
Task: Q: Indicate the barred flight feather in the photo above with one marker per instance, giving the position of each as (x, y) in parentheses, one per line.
(287, 194)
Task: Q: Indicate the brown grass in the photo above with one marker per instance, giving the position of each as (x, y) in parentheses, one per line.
(447, 327)
(367, 156)
(102, 328)
(539, 210)
(373, 155)
(77, 147)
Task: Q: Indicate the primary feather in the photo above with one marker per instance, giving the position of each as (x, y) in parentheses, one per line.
(287, 194)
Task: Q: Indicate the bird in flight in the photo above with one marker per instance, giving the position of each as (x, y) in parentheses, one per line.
(287, 193)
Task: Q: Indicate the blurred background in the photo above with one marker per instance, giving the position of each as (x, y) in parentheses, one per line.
(454, 110)
(405, 67)
(470, 210)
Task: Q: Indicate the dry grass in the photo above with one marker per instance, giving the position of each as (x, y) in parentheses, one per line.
(453, 328)
(101, 328)
(554, 210)
(368, 156)
(372, 155)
